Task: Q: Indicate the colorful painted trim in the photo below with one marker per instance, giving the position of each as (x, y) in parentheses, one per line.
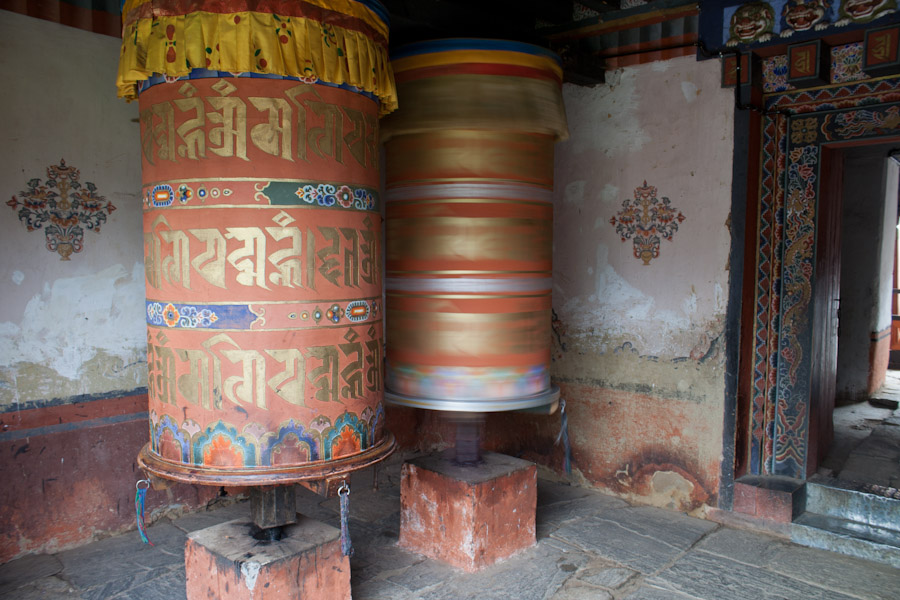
(222, 444)
(187, 316)
(774, 74)
(336, 41)
(846, 67)
(325, 195)
(461, 383)
(758, 22)
(258, 315)
(846, 63)
(836, 98)
(157, 79)
(462, 54)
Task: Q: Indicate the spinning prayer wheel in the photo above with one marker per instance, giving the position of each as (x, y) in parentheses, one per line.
(262, 235)
(469, 172)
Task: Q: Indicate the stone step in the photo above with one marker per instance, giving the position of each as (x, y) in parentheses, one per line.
(848, 537)
(855, 502)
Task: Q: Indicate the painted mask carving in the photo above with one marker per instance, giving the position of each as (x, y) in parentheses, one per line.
(804, 15)
(752, 22)
(863, 11)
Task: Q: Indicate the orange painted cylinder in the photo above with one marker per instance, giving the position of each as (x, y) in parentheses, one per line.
(262, 246)
(469, 171)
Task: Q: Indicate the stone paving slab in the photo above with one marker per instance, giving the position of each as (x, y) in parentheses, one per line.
(649, 592)
(747, 547)
(535, 574)
(45, 588)
(170, 586)
(17, 573)
(600, 573)
(852, 576)
(710, 577)
(118, 560)
(642, 538)
(578, 590)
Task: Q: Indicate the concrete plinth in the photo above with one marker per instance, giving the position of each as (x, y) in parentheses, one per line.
(469, 517)
(225, 562)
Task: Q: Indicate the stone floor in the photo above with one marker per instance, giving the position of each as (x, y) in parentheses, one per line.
(866, 446)
(590, 546)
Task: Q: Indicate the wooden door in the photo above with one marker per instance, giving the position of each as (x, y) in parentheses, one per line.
(826, 308)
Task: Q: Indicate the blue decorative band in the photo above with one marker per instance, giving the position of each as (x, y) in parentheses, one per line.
(192, 316)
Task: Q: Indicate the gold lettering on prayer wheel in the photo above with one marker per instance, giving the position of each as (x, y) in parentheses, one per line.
(469, 170)
(262, 246)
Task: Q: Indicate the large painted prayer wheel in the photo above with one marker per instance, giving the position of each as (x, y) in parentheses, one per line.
(262, 235)
(469, 172)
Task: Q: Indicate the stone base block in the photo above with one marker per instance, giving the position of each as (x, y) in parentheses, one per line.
(469, 517)
(773, 498)
(225, 562)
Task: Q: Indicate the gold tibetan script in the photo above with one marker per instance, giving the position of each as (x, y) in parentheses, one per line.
(260, 257)
(222, 371)
(298, 125)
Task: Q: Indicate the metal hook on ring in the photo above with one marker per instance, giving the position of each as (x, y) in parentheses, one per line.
(144, 481)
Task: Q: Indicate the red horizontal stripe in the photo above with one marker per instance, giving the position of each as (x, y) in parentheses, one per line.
(71, 413)
(475, 69)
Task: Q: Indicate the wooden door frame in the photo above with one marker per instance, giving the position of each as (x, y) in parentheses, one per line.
(774, 394)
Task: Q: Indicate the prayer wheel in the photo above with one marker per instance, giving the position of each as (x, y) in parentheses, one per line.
(469, 172)
(262, 235)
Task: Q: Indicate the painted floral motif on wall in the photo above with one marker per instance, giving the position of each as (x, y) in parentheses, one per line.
(63, 207)
(646, 220)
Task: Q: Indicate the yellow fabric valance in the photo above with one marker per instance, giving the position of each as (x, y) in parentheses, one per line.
(339, 42)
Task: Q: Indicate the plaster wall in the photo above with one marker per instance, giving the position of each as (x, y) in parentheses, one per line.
(638, 347)
(73, 403)
(68, 328)
(868, 231)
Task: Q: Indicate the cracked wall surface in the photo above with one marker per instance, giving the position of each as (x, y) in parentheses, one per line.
(638, 344)
(68, 328)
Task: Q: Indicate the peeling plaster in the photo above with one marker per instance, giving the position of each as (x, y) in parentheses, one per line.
(79, 335)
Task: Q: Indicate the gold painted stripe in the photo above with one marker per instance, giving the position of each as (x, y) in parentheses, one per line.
(498, 57)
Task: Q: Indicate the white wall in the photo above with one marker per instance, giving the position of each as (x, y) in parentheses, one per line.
(639, 347)
(868, 230)
(73, 327)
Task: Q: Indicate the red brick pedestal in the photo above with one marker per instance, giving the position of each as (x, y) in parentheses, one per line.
(225, 562)
(469, 517)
